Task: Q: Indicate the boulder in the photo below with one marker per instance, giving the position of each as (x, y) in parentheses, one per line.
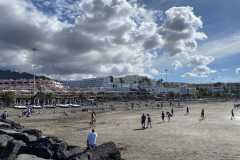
(4, 125)
(3, 141)
(13, 124)
(28, 157)
(106, 151)
(67, 154)
(34, 132)
(19, 136)
(52, 143)
(11, 149)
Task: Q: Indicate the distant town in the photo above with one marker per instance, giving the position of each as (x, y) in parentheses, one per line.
(130, 86)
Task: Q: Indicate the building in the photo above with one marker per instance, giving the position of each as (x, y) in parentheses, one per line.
(96, 83)
(28, 84)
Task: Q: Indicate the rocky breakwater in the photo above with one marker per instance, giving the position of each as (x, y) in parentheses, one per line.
(17, 142)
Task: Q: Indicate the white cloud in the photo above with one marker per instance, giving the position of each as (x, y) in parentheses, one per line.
(199, 60)
(222, 47)
(176, 64)
(237, 70)
(203, 70)
(154, 71)
(106, 37)
(180, 29)
(224, 70)
(188, 74)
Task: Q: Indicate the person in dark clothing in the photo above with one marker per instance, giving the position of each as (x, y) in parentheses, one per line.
(163, 116)
(143, 119)
(187, 113)
(232, 115)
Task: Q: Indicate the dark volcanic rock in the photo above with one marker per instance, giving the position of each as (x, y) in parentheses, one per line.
(67, 154)
(3, 141)
(34, 132)
(36, 149)
(11, 149)
(13, 124)
(106, 151)
(4, 125)
(28, 157)
(19, 136)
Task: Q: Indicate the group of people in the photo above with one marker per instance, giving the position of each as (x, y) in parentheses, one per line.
(143, 121)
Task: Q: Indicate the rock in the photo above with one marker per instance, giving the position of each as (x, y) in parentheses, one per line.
(106, 151)
(13, 124)
(4, 125)
(53, 143)
(11, 149)
(3, 141)
(67, 154)
(28, 157)
(37, 150)
(34, 132)
(19, 136)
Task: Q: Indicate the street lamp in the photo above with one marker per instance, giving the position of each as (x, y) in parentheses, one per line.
(166, 80)
(34, 50)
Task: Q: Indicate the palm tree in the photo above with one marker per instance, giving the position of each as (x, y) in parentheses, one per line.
(121, 81)
(9, 97)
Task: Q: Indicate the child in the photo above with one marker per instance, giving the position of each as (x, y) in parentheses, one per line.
(149, 121)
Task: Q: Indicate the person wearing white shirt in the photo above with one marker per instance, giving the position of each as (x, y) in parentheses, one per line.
(91, 140)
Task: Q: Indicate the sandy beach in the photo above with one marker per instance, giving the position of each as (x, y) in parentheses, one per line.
(183, 137)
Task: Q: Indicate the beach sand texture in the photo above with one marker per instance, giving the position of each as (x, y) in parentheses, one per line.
(184, 137)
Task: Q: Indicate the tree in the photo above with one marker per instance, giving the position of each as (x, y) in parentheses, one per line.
(9, 97)
(121, 81)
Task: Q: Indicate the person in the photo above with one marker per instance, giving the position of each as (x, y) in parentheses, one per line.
(202, 114)
(143, 119)
(4, 115)
(149, 121)
(232, 114)
(91, 139)
(163, 116)
(161, 105)
(172, 111)
(93, 119)
(168, 115)
(187, 113)
(158, 105)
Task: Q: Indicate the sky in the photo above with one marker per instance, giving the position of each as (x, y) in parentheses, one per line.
(197, 41)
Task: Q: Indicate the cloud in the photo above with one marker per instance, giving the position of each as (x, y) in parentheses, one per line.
(180, 30)
(154, 71)
(199, 60)
(176, 64)
(79, 39)
(203, 70)
(188, 75)
(237, 70)
(219, 48)
(224, 70)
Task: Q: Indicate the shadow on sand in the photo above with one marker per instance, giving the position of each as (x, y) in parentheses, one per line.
(139, 129)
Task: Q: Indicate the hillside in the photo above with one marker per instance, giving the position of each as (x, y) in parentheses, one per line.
(7, 74)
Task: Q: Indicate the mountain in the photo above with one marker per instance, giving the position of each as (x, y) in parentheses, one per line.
(7, 74)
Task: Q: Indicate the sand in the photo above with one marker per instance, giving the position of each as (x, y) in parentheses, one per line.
(183, 137)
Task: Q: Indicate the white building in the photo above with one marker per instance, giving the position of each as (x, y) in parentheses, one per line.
(92, 83)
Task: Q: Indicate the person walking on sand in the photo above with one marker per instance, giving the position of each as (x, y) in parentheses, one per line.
(91, 139)
(172, 111)
(163, 116)
(149, 121)
(232, 115)
(161, 105)
(143, 119)
(202, 114)
(187, 112)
